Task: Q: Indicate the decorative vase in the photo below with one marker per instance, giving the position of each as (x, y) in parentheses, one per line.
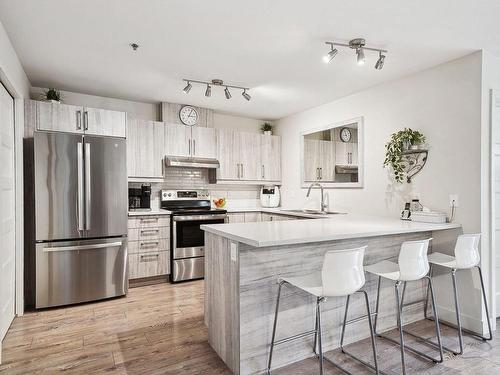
(268, 132)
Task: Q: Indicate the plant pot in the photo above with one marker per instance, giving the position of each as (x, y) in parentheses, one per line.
(52, 101)
(419, 146)
(268, 132)
(406, 146)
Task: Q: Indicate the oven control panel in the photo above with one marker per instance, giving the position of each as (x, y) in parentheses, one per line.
(169, 195)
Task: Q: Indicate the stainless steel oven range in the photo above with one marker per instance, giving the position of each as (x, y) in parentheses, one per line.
(190, 209)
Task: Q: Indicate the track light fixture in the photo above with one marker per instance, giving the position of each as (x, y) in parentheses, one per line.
(246, 95)
(188, 87)
(216, 82)
(380, 62)
(330, 55)
(359, 45)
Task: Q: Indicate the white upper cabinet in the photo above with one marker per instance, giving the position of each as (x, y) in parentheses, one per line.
(203, 143)
(59, 117)
(346, 153)
(271, 157)
(177, 140)
(227, 155)
(319, 160)
(104, 122)
(249, 155)
(145, 149)
(77, 119)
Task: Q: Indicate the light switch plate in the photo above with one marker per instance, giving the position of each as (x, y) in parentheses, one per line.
(234, 250)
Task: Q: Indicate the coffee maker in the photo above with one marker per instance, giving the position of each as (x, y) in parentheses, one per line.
(140, 198)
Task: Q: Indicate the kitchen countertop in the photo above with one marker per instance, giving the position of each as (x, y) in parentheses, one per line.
(149, 213)
(335, 227)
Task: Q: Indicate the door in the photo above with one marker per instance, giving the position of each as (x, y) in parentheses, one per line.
(7, 212)
(271, 157)
(58, 186)
(59, 117)
(104, 122)
(177, 140)
(227, 155)
(106, 194)
(249, 156)
(78, 271)
(204, 144)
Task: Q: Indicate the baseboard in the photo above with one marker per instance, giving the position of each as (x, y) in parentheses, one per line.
(468, 322)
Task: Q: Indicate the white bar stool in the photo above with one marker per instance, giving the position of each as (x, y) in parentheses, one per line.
(412, 266)
(342, 275)
(466, 258)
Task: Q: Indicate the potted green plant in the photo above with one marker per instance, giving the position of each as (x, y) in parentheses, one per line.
(52, 95)
(266, 128)
(401, 142)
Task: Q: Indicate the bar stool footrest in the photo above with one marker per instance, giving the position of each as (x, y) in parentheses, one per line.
(429, 342)
(367, 364)
(464, 330)
(294, 337)
(411, 349)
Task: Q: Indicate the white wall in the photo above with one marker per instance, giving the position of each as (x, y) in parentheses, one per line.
(225, 121)
(12, 75)
(443, 102)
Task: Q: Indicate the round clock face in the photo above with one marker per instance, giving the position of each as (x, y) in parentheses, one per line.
(188, 115)
(345, 135)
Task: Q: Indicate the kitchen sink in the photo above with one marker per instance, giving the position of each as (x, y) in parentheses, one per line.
(314, 212)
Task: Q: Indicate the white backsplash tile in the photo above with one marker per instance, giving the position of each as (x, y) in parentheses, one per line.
(238, 196)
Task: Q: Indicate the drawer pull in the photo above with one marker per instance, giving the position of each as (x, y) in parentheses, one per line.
(149, 220)
(150, 243)
(150, 256)
(150, 231)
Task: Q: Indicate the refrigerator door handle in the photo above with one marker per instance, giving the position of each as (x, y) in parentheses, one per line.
(80, 186)
(87, 186)
(83, 247)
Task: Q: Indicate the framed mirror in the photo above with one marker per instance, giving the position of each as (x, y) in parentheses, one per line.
(333, 155)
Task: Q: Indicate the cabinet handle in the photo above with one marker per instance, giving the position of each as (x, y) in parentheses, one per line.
(189, 147)
(241, 170)
(148, 220)
(194, 146)
(155, 256)
(79, 120)
(150, 243)
(86, 120)
(150, 231)
(263, 172)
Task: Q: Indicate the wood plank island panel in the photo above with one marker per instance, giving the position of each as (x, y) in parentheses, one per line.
(251, 298)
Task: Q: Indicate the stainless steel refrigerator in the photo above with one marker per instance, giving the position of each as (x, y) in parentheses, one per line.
(80, 191)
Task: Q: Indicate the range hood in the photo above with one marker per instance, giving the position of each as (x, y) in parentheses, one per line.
(190, 162)
(346, 169)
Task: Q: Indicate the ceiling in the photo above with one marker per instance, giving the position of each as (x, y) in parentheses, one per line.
(273, 47)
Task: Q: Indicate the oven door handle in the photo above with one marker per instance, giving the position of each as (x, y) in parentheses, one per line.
(199, 217)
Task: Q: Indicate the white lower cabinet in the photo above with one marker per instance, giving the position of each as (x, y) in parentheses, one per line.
(148, 246)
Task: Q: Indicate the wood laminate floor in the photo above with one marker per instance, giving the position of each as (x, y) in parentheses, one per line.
(159, 329)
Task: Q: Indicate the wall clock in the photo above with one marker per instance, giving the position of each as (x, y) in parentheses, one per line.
(188, 115)
(345, 134)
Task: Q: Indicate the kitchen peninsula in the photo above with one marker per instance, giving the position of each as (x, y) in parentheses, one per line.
(244, 261)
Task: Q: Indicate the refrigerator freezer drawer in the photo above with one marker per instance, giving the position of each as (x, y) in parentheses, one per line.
(188, 269)
(80, 271)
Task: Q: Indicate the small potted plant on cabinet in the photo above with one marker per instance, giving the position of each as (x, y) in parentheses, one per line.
(52, 95)
(267, 128)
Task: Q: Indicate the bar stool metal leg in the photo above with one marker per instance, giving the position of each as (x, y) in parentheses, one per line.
(457, 311)
(274, 327)
(377, 306)
(438, 346)
(320, 347)
(372, 336)
(400, 327)
(485, 305)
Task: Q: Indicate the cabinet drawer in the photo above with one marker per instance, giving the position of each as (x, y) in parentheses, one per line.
(161, 244)
(149, 264)
(148, 234)
(148, 221)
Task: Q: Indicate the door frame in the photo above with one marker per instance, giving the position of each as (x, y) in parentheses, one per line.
(19, 201)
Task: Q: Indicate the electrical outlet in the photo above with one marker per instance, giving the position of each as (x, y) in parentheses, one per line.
(453, 200)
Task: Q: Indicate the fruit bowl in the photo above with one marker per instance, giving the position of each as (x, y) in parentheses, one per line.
(220, 203)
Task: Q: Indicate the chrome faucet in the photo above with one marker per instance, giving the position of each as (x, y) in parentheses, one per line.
(323, 205)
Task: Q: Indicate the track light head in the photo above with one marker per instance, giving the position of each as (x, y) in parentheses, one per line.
(188, 87)
(208, 91)
(246, 95)
(380, 62)
(360, 56)
(227, 93)
(330, 55)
